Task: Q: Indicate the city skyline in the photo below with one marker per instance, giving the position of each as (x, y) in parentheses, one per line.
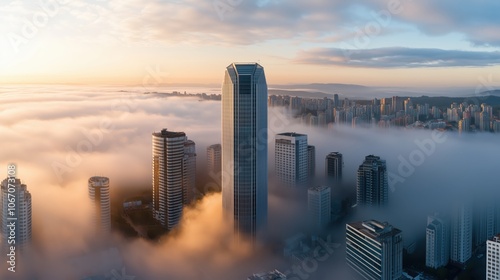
(231, 139)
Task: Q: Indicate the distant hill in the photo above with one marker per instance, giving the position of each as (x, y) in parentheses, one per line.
(443, 101)
(329, 88)
(343, 90)
(300, 93)
(492, 92)
(361, 92)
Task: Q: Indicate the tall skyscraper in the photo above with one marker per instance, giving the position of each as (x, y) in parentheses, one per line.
(437, 240)
(244, 148)
(291, 158)
(484, 121)
(492, 259)
(189, 172)
(461, 234)
(101, 205)
(408, 105)
(397, 104)
(336, 101)
(333, 167)
(385, 107)
(311, 160)
(21, 211)
(214, 159)
(174, 165)
(319, 206)
(374, 250)
(464, 125)
(372, 184)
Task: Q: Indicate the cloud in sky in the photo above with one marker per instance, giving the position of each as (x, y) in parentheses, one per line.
(249, 22)
(67, 41)
(398, 57)
(476, 20)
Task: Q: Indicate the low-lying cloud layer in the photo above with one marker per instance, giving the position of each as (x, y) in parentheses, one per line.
(60, 136)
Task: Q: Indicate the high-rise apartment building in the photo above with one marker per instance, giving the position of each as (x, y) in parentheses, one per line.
(484, 222)
(437, 239)
(311, 161)
(374, 250)
(244, 148)
(189, 172)
(461, 234)
(101, 205)
(484, 121)
(291, 158)
(214, 159)
(493, 258)
(333, 167)
(19, 214)
(174, 165)
(372, 183)
(397, 104)
(319, 206)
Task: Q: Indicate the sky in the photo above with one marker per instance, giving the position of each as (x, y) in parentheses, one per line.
(59, 136)
(404, 43)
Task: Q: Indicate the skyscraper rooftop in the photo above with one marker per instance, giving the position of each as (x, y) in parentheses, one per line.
(168, 134)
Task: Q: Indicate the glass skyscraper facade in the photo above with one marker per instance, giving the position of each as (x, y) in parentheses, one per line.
(372, 183)
(333, 167)
(244, 148)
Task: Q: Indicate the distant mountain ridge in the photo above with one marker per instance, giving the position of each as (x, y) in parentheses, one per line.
(360, 92)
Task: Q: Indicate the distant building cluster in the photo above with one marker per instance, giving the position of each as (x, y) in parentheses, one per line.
(201, 96)
(455, 237)
(471, 117)
(388, 112)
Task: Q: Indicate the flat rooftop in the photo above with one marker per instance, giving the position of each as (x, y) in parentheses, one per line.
(168, 134)
(319, 188)
(374, 229)
(291, 134)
